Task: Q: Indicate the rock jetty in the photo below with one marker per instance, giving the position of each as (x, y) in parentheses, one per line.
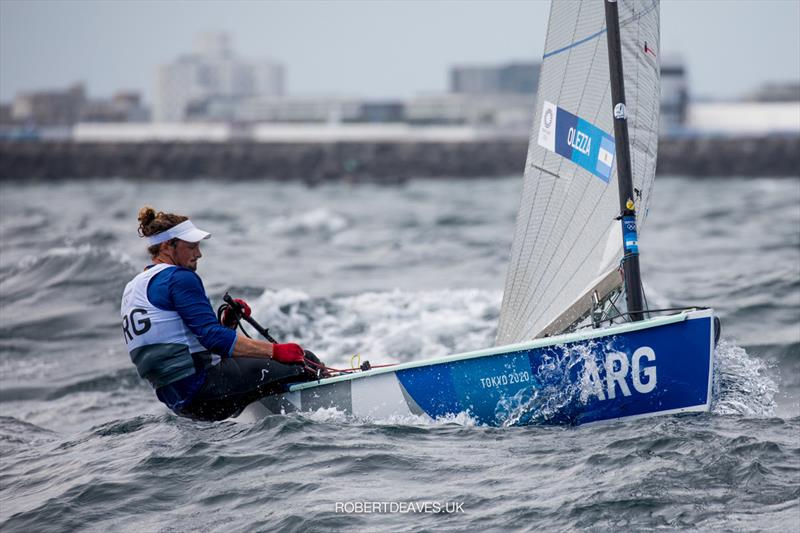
(382, 162)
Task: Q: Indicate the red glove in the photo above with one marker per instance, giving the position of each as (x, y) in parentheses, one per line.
(229, 317)
(289, 353)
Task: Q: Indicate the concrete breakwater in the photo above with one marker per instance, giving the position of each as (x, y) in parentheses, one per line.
(383, 162)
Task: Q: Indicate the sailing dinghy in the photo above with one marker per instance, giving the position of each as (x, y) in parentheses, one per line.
(576, 342)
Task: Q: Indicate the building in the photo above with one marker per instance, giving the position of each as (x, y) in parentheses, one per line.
(674, 95)
(744, 118)
(212, 72)
(314, 109)
(772, 109)
(295, 109)
(495, 96)
(122, 107)
(49, 108)
(777, 92)
(5, 114)
(382, 112)
(519, 78)
(510, 112)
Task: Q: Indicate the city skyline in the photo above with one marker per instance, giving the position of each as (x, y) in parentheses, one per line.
(372, 50)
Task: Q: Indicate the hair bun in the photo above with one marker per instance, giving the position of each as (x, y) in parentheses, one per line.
(146, 215)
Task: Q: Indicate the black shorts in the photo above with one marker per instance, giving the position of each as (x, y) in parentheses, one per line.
(234, 383)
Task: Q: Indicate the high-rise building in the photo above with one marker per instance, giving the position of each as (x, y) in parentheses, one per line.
(212, 71)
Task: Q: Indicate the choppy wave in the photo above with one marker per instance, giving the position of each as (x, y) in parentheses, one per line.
(391, 274)
(55, 294)
(16, 435)
(132, 474)
(321, 221)
(64, 268)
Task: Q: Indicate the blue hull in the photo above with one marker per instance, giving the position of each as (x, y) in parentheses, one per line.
(658, 366)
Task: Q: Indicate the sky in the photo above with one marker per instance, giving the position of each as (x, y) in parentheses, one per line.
(371, 49)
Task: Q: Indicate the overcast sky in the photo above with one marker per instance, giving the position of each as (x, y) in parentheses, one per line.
(366, 48)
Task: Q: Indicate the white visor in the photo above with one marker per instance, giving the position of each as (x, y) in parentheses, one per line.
(185, 231)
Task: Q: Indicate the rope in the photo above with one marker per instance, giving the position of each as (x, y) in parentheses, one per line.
(346, 370)
(222, 308)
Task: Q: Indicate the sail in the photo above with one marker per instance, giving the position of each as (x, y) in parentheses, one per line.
(567, 242)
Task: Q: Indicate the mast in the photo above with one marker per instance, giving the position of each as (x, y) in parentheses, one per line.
(630, 259)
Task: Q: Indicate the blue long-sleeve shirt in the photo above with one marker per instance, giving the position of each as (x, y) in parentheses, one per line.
(181, 290)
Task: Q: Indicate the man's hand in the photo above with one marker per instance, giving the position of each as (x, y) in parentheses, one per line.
(229, 317)
(289, 353)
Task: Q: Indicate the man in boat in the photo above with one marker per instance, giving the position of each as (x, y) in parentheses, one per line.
(198, 367)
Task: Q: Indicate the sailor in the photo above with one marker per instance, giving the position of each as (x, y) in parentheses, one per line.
(199, 368)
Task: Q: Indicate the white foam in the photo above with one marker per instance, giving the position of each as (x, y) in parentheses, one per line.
(316, 220)
(331, 414)
(384, 327)
(741, 383)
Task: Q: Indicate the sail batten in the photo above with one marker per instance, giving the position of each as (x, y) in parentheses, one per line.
(567, 235)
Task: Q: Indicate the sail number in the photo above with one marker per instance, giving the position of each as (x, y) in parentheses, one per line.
(640, 372)
(579, 141)
(505, 379)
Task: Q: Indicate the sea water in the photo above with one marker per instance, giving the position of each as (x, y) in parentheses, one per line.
(385, 274)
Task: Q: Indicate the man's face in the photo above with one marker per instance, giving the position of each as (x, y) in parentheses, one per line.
(186, 254)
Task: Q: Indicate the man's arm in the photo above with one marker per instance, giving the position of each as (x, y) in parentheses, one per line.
(188, 298)
(244, 347)
(289, 353)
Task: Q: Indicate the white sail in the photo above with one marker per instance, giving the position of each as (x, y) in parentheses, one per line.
(567, 240)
